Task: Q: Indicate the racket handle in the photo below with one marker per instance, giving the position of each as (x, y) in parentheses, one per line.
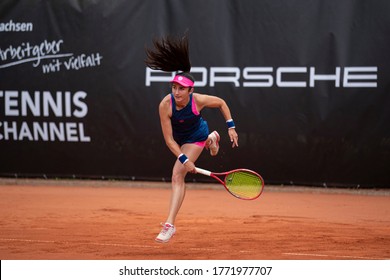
(203, 171)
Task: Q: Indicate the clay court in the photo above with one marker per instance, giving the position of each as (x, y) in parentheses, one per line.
(116, 220)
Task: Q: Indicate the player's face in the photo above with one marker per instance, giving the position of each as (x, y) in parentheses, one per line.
(181, 94)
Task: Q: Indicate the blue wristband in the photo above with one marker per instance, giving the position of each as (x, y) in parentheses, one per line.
(182, 158)
(230, 123)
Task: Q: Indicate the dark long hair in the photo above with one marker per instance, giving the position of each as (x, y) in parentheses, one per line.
(170, 54)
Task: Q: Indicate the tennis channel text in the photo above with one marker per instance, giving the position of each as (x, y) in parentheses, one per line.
(213, 271)
(43, 116)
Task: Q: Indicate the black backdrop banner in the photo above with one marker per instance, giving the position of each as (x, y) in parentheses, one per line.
(307, 83)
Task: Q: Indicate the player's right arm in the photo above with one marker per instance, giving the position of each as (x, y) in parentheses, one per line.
(165, 112)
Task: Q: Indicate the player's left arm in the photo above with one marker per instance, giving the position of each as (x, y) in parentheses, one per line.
(209, 101)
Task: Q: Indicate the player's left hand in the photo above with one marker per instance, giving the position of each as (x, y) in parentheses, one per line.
(233, 137)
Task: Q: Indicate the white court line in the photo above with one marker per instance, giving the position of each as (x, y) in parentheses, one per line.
(332, 256)
(27, 240)
(77, 243)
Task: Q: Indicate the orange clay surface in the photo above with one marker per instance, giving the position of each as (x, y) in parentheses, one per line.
(77, 219)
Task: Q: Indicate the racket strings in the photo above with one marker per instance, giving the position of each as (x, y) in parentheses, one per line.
(244, 184)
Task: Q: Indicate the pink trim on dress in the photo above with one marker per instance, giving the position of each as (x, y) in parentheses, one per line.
(200, 144)
(193, 106)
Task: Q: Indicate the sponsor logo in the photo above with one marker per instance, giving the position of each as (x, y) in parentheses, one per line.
(282, 77)
(43, 116)
(48, 55)
(12, 26)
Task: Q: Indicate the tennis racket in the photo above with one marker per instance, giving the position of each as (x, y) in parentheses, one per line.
(241, 183)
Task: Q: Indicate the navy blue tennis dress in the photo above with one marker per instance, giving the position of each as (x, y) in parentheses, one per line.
(187, 124)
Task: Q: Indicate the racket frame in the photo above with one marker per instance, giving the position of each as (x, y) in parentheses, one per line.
(223, 182)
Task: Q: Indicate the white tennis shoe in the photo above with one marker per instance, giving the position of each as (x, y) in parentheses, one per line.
(214, 145)
(166, 233)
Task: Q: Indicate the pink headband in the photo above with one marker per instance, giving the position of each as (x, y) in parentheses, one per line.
(183, 81)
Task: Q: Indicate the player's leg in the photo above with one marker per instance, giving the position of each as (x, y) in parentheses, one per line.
(192, 151)
(179, 173)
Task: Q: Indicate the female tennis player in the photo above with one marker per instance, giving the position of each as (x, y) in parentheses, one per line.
(185, 132)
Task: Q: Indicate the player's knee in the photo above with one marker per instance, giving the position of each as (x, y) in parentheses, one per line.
(178, 177)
